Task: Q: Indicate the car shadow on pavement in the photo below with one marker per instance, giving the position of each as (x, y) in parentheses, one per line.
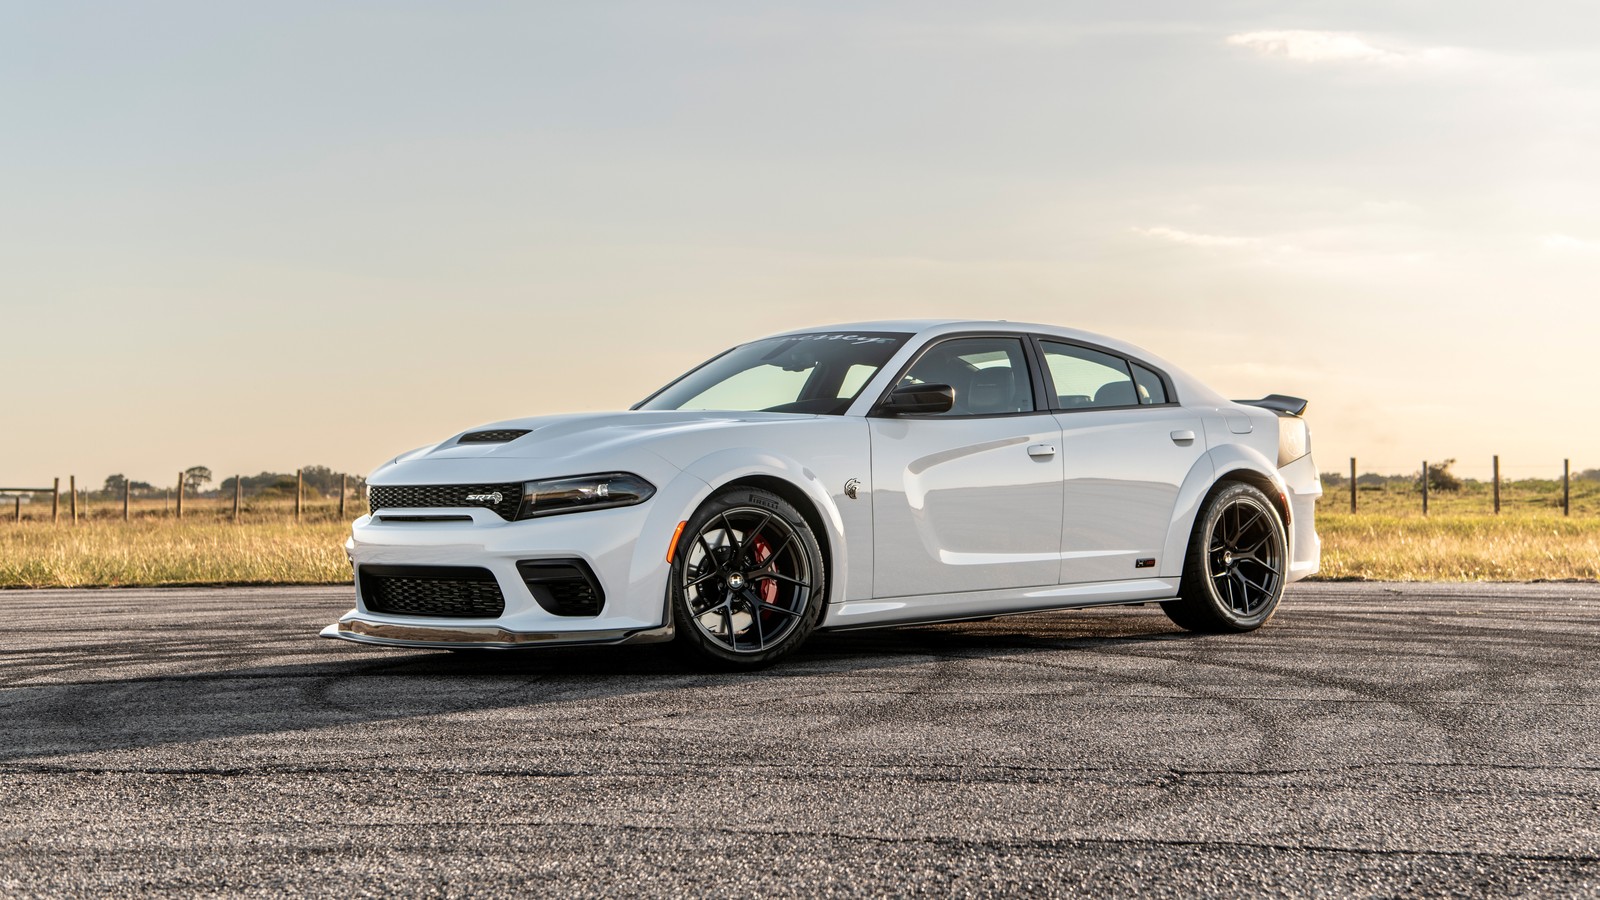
(179, 704)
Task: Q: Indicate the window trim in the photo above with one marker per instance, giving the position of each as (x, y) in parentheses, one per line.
(1054, 399)
(1041, 404)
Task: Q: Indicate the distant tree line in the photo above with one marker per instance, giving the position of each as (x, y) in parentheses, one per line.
(320, 481)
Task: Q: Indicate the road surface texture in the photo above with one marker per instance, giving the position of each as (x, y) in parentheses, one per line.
(1371, 740)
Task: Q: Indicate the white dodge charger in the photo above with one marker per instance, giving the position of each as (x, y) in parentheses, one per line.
(850, 476)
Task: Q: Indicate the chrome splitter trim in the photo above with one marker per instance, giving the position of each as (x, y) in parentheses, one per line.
(484, 637)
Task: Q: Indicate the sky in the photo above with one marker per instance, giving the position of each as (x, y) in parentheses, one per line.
(262, 236)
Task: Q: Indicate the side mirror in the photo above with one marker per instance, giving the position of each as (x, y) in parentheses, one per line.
(920, 398)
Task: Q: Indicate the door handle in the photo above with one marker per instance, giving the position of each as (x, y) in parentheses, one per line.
(1183, 437)
(1040, 451)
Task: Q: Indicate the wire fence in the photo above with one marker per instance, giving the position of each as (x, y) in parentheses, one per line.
(1444, 486)
(304, 503)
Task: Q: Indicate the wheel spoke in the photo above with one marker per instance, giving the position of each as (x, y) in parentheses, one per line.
(713, 607)
(755, 616)
(701, 580)
(779, 576)
(1259, 588)
(732, 537)
(1244, 592)
(711, 555)
(749, 543)
(773, 557)
(1259, 544)
(1238, 534)
(1263, 564)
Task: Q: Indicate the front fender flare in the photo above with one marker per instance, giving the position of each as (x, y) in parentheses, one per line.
(719, 469)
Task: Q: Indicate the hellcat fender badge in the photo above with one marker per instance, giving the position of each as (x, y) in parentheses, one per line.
(851, 487)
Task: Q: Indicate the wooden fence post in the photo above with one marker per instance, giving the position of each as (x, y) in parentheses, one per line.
(72, 485)
(180, 495)
(127, 489)
(1497, 484)
(19, 507)
(344, 488)
(1424, 487)
(237, 488)
(299, 491)
(1352, 485)
(55, 502)
(1566, 487)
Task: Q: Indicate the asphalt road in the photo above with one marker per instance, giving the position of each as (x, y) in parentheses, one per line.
(1373, 739)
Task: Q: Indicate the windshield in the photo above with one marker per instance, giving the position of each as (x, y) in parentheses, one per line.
(815, 374)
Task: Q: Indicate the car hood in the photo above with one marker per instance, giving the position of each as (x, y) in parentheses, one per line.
(592, 434)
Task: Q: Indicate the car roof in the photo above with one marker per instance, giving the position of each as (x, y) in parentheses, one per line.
(934, 327)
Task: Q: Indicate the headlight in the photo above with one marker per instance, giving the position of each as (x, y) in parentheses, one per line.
(553, 496)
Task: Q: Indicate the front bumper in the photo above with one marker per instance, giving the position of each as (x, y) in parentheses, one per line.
(625, 548)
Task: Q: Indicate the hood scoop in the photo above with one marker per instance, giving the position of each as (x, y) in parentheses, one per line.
(496, 436)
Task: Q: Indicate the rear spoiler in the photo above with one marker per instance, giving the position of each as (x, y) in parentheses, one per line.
(1279, 403)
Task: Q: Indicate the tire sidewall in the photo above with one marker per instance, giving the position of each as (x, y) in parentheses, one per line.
(689, 633)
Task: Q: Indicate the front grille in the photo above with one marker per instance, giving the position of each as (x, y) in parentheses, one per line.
(456, 592)
(447, 496)
(563, 587)
(497, 436)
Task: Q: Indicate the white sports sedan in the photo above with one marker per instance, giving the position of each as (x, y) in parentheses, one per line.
(850, 476)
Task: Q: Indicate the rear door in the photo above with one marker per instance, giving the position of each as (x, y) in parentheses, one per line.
(1126, 447)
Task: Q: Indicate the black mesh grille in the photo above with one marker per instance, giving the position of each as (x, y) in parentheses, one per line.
(563, 587)
(499, 436)
(448, 496)
(461, 593)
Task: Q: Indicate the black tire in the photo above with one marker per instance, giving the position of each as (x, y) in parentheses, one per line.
(1233, 574)
(748, 582)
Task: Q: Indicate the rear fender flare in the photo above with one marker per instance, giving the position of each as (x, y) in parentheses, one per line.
(1218, 463)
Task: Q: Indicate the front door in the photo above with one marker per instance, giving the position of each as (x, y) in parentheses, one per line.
(968, 500)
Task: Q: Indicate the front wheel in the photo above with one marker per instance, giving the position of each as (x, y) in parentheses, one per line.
(1233, 576)
(748, 579)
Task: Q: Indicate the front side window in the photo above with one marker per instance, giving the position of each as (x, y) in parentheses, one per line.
(813, 374)
(1088, 379)
(989, 375)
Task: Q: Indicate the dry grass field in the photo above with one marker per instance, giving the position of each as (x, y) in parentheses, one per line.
(1389, 539)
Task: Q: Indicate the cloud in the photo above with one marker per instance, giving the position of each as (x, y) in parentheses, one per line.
(1332, 47)
(1566, 243)
(1194, 239)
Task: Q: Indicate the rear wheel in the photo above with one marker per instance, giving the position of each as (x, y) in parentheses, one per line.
(1233, 576)
(747, 579)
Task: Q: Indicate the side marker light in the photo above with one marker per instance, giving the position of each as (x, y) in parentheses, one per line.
(672, 548)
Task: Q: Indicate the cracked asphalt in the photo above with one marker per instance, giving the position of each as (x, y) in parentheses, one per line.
(1371, 740)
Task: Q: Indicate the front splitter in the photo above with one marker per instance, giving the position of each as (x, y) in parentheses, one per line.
(485, 638)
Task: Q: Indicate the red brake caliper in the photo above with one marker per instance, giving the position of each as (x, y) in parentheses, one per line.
(769, 588)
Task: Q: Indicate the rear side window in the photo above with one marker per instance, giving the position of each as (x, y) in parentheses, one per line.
(1088, 379)
(1151, 390)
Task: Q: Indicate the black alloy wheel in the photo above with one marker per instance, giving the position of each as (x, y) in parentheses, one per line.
(1235, 571)
(747, 579)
